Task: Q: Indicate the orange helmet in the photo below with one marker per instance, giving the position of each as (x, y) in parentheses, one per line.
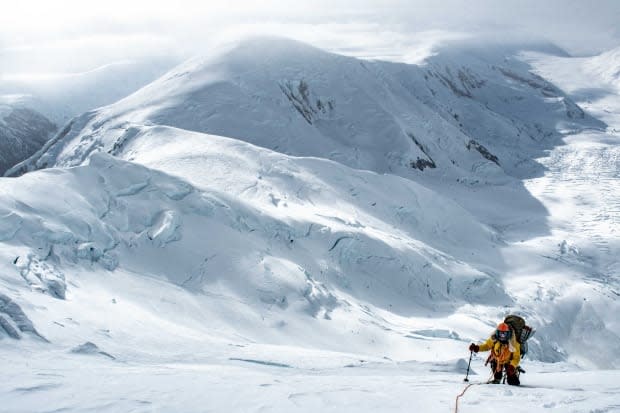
(503, 327)
(503, 332)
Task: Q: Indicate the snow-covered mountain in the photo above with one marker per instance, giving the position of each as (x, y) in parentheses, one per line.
(33, 107)
(23, 131)
(61, 96)
(606, 66)
(284, 217)
(469, 112)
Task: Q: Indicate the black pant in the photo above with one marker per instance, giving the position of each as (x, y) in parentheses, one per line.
(497, 375)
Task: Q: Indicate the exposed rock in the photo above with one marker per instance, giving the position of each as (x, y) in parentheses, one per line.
(90, 348)
(22, 132)
(421, 163)
(483, 151)
(17, 317)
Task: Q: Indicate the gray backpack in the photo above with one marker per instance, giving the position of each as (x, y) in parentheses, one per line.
(521, 331)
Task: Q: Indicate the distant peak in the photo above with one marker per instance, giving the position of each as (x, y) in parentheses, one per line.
(271, 41)
(266, 45)
(501, 45)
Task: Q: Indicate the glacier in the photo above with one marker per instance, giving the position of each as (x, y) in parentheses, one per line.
(274, 227)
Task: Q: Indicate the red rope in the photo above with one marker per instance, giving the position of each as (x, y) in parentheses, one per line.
(456, 408)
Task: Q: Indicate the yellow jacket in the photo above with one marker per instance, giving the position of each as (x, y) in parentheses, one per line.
(503, 353)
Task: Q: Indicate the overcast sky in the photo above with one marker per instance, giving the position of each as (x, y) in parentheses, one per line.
(39, 36)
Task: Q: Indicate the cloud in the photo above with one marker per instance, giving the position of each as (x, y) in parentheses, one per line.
(74, 35)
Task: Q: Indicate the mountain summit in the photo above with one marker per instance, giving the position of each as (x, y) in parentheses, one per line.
(466, 114)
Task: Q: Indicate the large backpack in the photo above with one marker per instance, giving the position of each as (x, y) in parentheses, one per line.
(521, 331)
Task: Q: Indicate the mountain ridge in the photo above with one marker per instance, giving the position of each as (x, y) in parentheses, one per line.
(369, 115)
(360, 197)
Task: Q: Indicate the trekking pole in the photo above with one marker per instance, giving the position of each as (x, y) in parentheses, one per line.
(471, 353)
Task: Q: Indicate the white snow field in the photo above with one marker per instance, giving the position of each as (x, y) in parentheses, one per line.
(276, 228)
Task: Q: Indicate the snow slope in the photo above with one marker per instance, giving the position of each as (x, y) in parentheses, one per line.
(291, 380)
(190, 271)
(606, 66)
(594, 82)
(139, 274)
(305, 245)
(580, 190)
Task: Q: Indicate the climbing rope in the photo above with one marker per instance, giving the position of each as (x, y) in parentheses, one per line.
(456, 405)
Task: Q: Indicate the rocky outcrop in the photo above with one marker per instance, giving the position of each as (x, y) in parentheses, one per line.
(22, 132)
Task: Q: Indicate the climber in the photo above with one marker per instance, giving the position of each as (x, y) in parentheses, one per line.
(505, 354)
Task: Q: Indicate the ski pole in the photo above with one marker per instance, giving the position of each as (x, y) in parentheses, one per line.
(468, 364)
